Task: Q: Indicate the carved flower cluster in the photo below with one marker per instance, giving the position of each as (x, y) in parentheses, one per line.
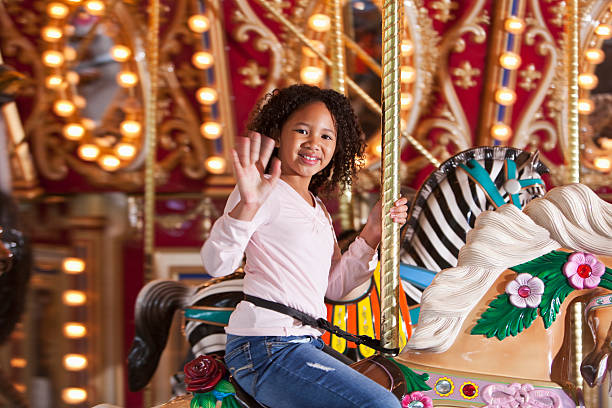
(583, 270)
(203, 373)
(416, 399)
(525, 291)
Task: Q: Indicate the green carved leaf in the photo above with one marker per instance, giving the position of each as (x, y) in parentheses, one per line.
(230, 402)
(502, 319)
(225, 386)
(556, 290)
(414, 381)
(203, 400)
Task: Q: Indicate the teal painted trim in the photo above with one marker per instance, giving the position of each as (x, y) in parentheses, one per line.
(217, 316)
(530, 182)
(480, 175)
(414, 315)
(511, 175)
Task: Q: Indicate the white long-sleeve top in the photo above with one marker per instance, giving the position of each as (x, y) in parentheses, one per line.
(291, 258)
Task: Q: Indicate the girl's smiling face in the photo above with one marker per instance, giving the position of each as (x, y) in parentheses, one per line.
(307, 141)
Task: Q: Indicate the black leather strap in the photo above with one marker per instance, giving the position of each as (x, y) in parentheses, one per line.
(320, 323)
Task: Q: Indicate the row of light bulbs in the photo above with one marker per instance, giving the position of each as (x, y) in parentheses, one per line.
(74, 330)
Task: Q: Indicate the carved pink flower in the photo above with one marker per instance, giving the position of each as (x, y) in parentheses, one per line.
(583, 270)
(416, 399)
(525, 291)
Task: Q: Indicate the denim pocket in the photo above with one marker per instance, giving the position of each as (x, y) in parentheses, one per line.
(239, 361)
(276, 345)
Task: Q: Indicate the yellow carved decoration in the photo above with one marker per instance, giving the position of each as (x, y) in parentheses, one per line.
(465, 72)
(445, 10)
(252, 72)
(529, 76)
(558, 11)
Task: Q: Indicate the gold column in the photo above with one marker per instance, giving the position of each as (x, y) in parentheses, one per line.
(389, 319)
(151, 137)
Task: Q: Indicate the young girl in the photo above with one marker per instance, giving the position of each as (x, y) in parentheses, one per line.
(292, 255)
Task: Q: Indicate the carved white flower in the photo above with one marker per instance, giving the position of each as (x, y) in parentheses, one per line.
(525, 291)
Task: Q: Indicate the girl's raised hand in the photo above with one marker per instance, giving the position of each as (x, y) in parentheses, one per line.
(251, 157)
(372, 231)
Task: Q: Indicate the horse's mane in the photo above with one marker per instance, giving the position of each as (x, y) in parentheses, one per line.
(571, 216)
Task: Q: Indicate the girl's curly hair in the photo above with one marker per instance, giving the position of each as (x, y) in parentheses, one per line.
(275, 108)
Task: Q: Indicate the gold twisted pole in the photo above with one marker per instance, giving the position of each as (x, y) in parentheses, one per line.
(352, 85)
(151, 137)
(574, 155)
(389, 275)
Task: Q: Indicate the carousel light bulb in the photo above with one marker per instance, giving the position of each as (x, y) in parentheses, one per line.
(407, 74)
(74, 131)
(18, 362)
(406, 48)
(75, 362)
(316, 44)
(63, 107)
(405, 100)
(80, 101)
(514, 25)
(127, 79)
(73, 266)
(88, 123)
(603, 31)
(594, 55)
(74, 1)
(54, 82)
(211, 130)
(130, 128)
(74, 395)
(73, 330)
(51, 34)
(88, 152)
(215, 165)
(125, 151)
(505, 96)
(585, 106)
(377, 149)
(120, 53)
(510, 60)
(587, 81)
(57, 10)
(73, 77)
(206, 96)
(74, 298)
(70, 53)
(606, 143)
(602, 163)
(53, 58)
(501, 132)
(311, 75)
(198, 23)
(202, 59)
(95, 7)
(319, 23)
(109, 162)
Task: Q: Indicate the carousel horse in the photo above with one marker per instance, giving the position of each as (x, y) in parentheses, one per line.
(492, 330)
(444, 210)
(15, 266)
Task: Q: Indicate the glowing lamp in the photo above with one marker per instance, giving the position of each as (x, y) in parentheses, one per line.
(405, 100)
(602, 163)
(585, 106)
(51, 34)
(319, 23)
(510, 60)
(109, 162)
(73, 77)
(53, 59)
(407, 75)
(125, 151)
(505, 96)
(603, 31)
(311, 75)
(75, 362)
(202, 59)
(594, 55)
(88, 152)
(606, 143)
(63, 107)
(130, 128)
(211, 130)
(206, 96)
(406, 48)
(73, 131)
(127, 79)
(74, 298)
(74, 330)
(587, 81)
(18, 362)
(70, 53)
(57, 10)
(120, 53)
(514, 25)
(95, 7)
(73, 265)
(74, 395)
(501, 132)
(215, 165)
(54, 82)
(198, 23)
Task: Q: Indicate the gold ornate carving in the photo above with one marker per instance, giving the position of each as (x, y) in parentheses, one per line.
(465, 73)
(444, 9)
(252, 73)
(558, 12)
(529, 77)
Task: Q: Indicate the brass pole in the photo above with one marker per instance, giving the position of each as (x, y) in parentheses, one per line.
(391, 31)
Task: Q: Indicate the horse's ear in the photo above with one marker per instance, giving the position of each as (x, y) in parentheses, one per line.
(536, 164)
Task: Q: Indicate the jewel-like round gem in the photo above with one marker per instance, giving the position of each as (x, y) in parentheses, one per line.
(443, 386)
(584, 271)
(469, 390)
(512, 186)
(524, 291)
(416, 404)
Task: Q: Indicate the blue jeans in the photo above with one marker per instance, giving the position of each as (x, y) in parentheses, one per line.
(294, 372)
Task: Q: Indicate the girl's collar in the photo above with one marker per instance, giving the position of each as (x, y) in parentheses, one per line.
(312, 204)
